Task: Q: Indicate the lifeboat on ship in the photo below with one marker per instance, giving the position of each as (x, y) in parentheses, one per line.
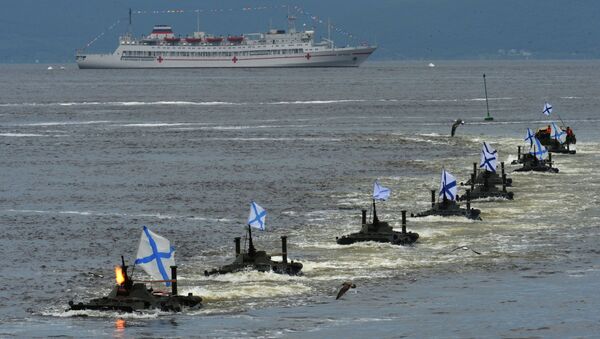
(172, 40)
(235, 39)
(193, 40)
(212, 40)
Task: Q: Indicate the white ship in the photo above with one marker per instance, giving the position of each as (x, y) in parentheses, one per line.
(276, 48)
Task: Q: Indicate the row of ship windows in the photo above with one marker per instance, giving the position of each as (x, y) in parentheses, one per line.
(189, 46)
(212, 54)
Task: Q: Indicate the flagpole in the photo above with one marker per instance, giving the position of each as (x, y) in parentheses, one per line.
(561, 120)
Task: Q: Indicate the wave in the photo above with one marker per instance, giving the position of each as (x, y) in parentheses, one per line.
(147, 314)
(225, 103)
(233, 127)
(64, 123)
(212, 293)
(19, 135)
(177, 103)
(121, 103)
(180, 103)
(300, 102)
(114, 214)
(246, 277)
(278, 139)
(161, 124)
(483, 99)
(472, 99)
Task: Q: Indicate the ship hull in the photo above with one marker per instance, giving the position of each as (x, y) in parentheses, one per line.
(344, 57)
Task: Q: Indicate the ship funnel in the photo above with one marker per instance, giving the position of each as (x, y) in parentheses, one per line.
(173, 280)
(237, 246)
(468, 200)
(284, 249)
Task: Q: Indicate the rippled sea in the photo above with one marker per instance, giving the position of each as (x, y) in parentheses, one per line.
(89, 157)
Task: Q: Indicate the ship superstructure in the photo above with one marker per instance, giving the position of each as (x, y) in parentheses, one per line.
(275, 48)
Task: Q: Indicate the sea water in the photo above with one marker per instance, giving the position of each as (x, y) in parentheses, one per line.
(88, 157)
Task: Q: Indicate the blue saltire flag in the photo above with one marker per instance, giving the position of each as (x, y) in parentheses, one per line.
(380, 192)
(489, 158)
(547, 109)
(539, 151)
(448, 188)
(155, 255)
(257, 216)
(530, 136)
(557, 134)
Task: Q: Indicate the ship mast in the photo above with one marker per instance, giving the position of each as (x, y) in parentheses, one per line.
(329, 33)
(197, 20)
(291, 22)
(130, 23)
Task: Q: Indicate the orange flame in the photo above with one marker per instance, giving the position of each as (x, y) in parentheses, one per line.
(119, 276)
(120, 325)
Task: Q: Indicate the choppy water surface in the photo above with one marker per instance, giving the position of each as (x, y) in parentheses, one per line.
(88, 157)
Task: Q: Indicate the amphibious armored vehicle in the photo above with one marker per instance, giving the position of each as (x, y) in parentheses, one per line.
(130, 296)
(492, 178)
(447, 208)
(258, 260)
(532, 163)
(379, 231)
(519, 159)
(483, 185)
(553, 145)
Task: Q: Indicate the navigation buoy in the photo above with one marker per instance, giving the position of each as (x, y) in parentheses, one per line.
(489, 117)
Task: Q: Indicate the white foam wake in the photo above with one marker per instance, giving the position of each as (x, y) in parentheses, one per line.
(19, 135)
(121, 103)
(187, 103)
(314, 102)
(114, 214)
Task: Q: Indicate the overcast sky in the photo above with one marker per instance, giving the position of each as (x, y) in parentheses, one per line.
(51, 30)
